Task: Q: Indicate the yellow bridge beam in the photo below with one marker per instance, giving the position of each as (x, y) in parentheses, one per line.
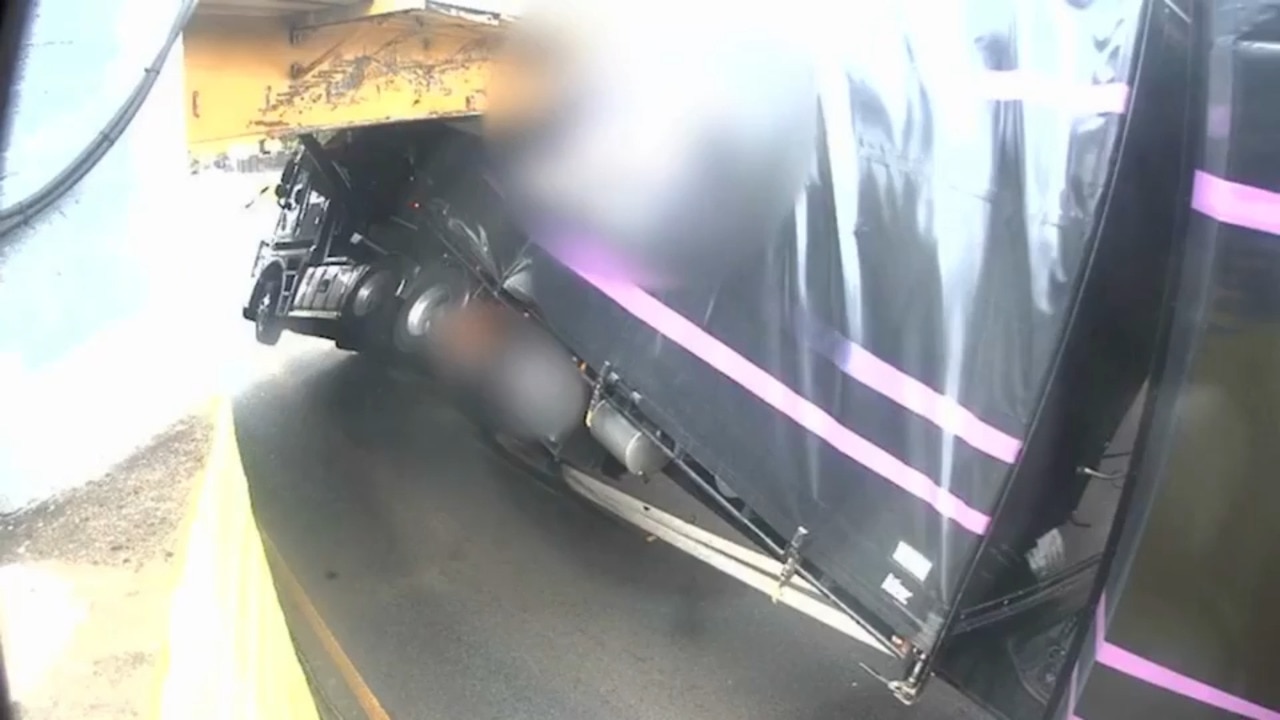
(249, 78)
(368, 9)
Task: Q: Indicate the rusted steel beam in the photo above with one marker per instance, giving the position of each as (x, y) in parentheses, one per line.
(250, 78)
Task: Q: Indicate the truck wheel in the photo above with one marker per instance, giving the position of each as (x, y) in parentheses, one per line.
(436, 289)
(267, 326)
(369, 311)
(373, 293)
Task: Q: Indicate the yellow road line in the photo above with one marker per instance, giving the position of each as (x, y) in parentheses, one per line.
(355, 682)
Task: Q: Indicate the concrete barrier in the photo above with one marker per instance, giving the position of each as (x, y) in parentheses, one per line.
(230, 654)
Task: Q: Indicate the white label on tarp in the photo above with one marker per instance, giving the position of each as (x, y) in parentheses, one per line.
(896, 589)
(913, 561)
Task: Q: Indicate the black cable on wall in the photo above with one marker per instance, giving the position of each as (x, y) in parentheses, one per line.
(34, 205)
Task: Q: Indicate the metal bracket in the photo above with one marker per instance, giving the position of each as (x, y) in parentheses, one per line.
(790, 561)
(907, 690)
(756, 569)
(1115, 479)
(597, 389)
(1097, 475)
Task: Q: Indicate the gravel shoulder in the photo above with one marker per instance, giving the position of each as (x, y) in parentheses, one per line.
(85, 580)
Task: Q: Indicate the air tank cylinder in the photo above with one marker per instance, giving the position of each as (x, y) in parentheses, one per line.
(626, 442)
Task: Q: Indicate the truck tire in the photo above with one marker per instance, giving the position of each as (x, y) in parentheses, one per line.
(267, 325)
(436, 288)
(369, 311)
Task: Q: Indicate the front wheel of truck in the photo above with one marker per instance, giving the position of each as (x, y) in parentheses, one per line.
(267, 325)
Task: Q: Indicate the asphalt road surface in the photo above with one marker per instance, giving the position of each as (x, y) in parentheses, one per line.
(434, 580)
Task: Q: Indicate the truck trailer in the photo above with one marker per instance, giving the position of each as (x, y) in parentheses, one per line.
(961, 403)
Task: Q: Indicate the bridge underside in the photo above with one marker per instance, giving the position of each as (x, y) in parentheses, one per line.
(259, 69)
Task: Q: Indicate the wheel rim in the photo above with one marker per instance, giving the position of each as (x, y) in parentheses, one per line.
(370, 294)
(265, 307)
(423, 310)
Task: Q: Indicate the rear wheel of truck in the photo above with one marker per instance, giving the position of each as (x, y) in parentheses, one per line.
(370, 310)
(436, 289)
(267, 325)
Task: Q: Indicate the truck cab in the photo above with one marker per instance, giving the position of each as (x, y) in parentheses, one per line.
(319, 273)
(296, 276)
(361, 215)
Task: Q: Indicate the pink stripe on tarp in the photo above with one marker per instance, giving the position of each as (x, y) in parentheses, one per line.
(1122, 660)
(1020, 85)
(860, 364)
(774, 392)
(1135, 666)
(1236, 204)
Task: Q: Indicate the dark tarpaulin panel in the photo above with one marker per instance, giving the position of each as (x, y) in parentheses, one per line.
(872, 378)
(1187, 627)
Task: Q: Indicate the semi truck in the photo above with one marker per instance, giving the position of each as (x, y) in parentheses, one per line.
(948, 403)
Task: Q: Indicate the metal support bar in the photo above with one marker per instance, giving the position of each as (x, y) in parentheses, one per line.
(791, 561)
(353, 13)
(700, 486)
(750, 567)
(474, 11)
(908, 690)
(483, 12)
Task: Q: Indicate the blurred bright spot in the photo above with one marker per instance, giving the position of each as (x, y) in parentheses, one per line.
(666, 140)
